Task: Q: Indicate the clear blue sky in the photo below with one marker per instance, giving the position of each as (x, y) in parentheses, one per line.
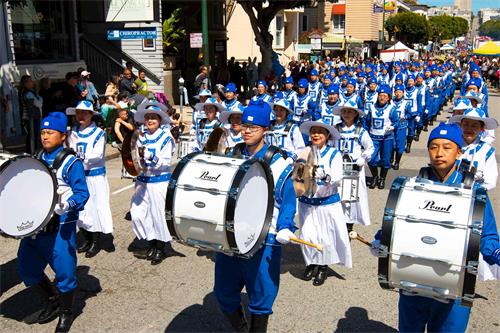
(476, 4)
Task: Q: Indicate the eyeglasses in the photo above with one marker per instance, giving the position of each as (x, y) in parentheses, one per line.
(251, 128)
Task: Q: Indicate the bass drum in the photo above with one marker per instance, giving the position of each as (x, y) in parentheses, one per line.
(26, 181)
(430, 239)
(220, 203)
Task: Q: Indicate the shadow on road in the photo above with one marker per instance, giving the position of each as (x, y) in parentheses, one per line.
(9, 276)
(356, 320)
(26, 305)
(204, 317)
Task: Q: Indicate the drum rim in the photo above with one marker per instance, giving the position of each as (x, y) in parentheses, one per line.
(231, 206)
(51, 172)
(387, 230)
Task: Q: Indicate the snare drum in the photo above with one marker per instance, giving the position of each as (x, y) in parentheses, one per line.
(349, 186)
(220, 203)
(186, 145)
(430, 239)
(28, 195)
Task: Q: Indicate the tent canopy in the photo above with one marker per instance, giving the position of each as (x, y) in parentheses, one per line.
(401, 46)
(447, 47)
(488, 49)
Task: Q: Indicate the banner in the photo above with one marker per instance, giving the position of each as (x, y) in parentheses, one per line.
(389, 6)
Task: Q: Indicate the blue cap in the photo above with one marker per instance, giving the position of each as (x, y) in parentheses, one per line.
(411, 76)
(55, 121)
(399, 87)
(261, 82)
(351, 81)
(420, 75)
(361, 74)
(344, 77)
(314, 72)
(474, 82)
(399, 77)
(278, 95)
(397, 63)
(303, 83)
(384, 88)
(327, 77)
(231, 87)
(450, 132)
(416, 64)
(372, 79)
(289, 79)
(257, 113)
(473, 67)
(342, 68)
(333, 89)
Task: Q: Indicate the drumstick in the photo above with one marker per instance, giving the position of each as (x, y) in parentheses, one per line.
(60, 193)
(318, 247)
(354, 235)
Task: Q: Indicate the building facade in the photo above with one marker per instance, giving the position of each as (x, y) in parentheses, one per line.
(487, 14)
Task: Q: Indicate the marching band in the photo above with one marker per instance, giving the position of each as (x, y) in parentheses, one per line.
(313, 145)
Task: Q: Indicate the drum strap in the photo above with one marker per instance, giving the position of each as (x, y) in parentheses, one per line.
(268, 156)
(65, 152)
(203, 123)
(467, 176)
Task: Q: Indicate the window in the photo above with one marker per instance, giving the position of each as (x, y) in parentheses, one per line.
(43, 31)
(148, 45)
(338, 22)
(278, 40)
(304, 26)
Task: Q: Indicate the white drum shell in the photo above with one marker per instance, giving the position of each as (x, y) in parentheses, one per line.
(186, 145)
(430, 239)
(200, 204)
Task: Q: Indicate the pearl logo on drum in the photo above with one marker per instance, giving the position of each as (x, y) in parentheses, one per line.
(25, 225)
(431, 205)
(429, 240)
(199, 204)
(205, 175)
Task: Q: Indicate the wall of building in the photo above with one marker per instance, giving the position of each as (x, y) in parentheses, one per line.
(361, 22)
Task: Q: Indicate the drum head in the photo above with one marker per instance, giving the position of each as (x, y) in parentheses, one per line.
(250, 223)
(27, 196)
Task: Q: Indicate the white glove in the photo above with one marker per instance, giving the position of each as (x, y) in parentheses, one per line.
(389, 129)
(62, 208)
(374, 247)
(283, 236)
(148, 155)
(320, 173)
(417, 119)
(360, 162)
(426, 111)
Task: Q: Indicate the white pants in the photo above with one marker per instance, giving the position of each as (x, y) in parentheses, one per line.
(148, 211)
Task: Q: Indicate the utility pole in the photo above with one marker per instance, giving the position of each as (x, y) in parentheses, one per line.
(204, 30)
(383, 25)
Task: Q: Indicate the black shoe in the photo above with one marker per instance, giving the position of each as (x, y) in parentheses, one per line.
(310, 272)
(425, 129)
(381, 183)
(152, 249)
(95, 247)
(374, 171)
(320, 278)
(85, 246)
(159, 254)
(237, 320)
(408, 145)
(53, 307)
(259, 323)
(417, 136)
(128, 217)
(66, 315)
(350, 226)
(396, 163)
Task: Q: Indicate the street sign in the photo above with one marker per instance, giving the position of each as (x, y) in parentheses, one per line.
(195, 40)
(316, 43)
(134, 33)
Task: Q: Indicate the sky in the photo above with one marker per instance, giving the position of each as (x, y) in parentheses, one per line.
(476, 4)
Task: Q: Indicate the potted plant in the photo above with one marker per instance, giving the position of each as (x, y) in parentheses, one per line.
(173, 33)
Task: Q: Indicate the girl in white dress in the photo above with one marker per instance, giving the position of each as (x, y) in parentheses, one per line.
(321, 217)
(148, 202)
(89, 142)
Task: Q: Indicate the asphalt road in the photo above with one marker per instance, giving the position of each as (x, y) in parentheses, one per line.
(120, 293)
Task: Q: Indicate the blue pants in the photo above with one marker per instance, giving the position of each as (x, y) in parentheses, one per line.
(259, 274)
(383, 151)
(56, 249)
(400, 140)
(412, 124)
(417, 312)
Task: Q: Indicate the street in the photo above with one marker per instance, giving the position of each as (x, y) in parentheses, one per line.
(121, 293)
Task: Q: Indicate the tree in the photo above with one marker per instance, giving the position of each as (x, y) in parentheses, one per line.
(173, 33)
(490, 28)
(408, 27)
(447, 27)
(261, 13)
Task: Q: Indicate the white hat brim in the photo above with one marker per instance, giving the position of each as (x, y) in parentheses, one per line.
(478, 99)
(272, 105)
(141, 112)
(199, 106)
(489, 123)
(224, 116)
(338, 110)
(72, 111)
(305, 128)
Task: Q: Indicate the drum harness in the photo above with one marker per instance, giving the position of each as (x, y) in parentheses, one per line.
(53, 224)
